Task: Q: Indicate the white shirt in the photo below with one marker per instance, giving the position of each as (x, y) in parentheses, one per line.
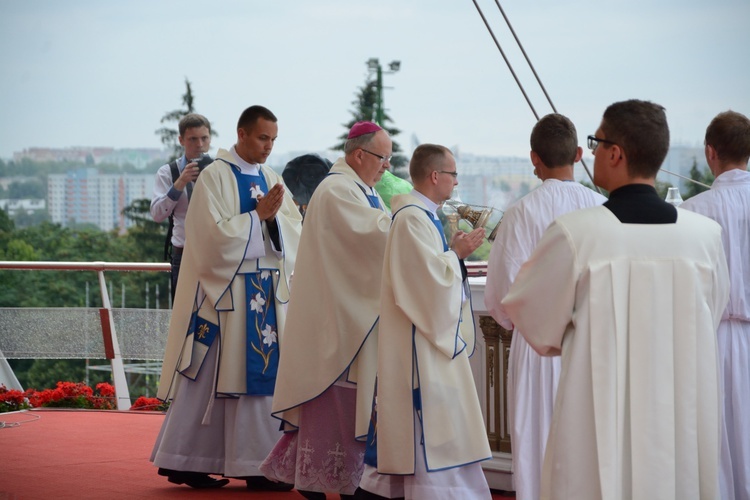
(167, 200)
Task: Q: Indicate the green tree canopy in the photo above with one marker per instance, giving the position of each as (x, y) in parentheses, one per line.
(36, 188)
(706, 177)
(6, 225)
(146, 237)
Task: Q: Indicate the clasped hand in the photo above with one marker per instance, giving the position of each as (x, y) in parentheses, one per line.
(464, 244)
(270, 203)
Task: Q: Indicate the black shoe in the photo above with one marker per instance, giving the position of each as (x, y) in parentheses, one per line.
(198, 480)
(262, 483)
(312, 495)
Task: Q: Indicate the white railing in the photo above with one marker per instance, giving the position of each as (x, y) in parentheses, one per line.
(111, 346)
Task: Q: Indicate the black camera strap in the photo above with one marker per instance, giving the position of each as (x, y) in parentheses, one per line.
(168, 242)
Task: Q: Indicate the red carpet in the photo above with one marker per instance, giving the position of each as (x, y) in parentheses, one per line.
(87, 454)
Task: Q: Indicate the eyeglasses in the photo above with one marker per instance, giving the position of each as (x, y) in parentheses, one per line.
(383, 159)
(593, 142)
(452, 174)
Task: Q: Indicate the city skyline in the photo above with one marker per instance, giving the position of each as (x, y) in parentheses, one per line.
(83, 194)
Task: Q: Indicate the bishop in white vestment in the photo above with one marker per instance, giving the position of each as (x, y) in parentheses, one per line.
(327, 373)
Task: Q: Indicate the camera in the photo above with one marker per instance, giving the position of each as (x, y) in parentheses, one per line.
(203, 161)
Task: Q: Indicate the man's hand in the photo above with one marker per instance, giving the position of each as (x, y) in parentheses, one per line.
(464, 244)
(189, 174)
(269, 204)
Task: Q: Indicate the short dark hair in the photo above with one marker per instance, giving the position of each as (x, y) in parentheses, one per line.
(640, 128)
(423, 160)
(729, 134)
(193, 120)
(252, 114)
(555, 140)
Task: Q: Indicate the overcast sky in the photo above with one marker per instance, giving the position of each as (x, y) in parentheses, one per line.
(102, 73)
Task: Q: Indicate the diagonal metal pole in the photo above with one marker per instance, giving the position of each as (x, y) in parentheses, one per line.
(502, 53)
(531, 66)
(685, 177)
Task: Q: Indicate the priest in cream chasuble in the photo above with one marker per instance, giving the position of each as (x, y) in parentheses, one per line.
(427, 435)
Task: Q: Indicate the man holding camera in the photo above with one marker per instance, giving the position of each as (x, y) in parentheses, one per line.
(174, 185)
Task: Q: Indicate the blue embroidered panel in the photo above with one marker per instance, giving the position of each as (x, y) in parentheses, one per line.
(262, 334)
(249, 186)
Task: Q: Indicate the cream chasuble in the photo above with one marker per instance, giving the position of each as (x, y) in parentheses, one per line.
(218, 247)
(333, 311)
(426, 336)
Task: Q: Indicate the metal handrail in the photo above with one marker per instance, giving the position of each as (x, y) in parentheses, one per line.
(109, 335)
(85, 266)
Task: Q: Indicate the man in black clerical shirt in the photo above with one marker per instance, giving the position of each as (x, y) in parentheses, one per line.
(629, 294)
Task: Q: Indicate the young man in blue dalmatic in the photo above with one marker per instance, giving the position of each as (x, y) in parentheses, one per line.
(242, 230)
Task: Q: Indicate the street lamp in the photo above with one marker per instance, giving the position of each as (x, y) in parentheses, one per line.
(373, 64)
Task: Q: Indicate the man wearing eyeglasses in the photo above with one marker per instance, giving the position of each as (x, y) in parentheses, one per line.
(630, 294)
(326, 374)
(532, 379)
(429, 437)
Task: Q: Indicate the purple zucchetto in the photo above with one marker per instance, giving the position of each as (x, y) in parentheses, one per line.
(362, 128)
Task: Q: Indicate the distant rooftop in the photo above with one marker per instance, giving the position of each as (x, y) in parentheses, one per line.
(139, 157)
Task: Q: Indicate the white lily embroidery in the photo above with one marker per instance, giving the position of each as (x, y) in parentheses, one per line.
(257, 303)
(255, 191)
(269, 336)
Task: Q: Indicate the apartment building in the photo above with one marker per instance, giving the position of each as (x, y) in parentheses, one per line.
(85, 196)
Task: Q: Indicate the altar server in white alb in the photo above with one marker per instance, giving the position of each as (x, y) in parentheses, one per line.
(327, 372)
(242, 230)
(532, 379)
(429, 437)
(630, 294)
(728, 203)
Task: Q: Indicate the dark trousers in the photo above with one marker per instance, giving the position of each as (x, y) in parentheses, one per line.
(176, 260)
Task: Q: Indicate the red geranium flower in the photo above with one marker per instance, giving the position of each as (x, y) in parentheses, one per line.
(152, 404)
(65, 395)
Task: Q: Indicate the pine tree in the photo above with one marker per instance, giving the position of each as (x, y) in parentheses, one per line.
(169, 136)
(706, 177)
(365, 110)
